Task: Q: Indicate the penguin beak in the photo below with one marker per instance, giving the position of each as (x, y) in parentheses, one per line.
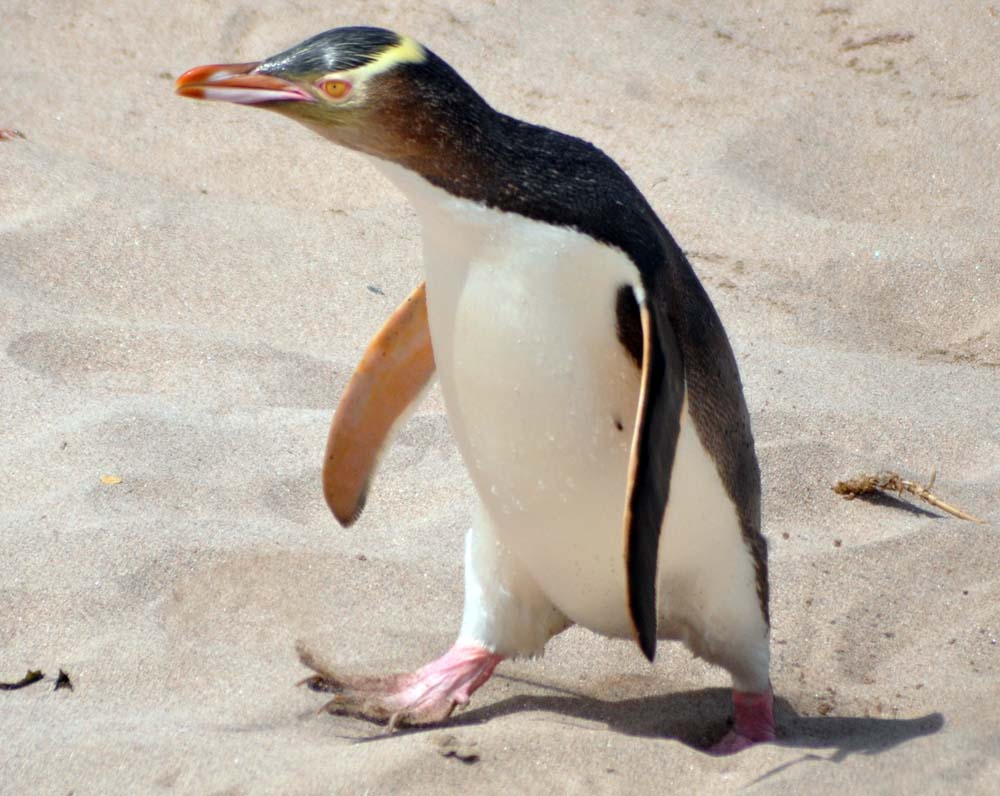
(238, 83)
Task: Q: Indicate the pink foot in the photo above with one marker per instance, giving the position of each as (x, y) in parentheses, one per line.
(753, 722)
(425, 696)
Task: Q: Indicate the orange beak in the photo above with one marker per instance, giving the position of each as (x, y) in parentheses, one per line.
(238, 83)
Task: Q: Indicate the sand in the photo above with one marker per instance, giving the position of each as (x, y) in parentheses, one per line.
(185, 289)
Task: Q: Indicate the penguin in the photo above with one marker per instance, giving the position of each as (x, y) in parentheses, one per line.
(591, 388)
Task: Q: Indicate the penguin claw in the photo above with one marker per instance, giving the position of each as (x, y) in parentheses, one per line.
(426, 696)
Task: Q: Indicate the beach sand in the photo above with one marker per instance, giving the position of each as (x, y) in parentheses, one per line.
(185, 289)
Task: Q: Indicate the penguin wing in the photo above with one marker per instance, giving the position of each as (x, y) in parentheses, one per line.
(395, 368)
(654, 442)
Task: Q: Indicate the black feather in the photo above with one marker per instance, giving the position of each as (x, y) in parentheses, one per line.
(331, 51)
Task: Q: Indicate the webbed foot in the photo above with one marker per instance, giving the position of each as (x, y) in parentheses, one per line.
(426, 696)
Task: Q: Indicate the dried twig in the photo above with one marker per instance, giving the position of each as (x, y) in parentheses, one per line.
(33, 676)
(892, 482)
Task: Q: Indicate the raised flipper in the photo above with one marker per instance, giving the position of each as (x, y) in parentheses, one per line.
(654, 441)
(394, 370)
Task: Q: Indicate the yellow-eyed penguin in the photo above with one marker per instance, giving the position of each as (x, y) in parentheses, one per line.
(589, 383)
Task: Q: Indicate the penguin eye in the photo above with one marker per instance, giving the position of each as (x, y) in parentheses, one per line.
(335, 89)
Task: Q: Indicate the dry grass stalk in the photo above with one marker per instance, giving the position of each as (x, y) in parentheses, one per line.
(892, 482)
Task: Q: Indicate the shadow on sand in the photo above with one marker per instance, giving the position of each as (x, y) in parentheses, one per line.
(884, 500)
(696, 718)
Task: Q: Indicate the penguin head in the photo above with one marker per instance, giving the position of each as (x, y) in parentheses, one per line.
(365, 88)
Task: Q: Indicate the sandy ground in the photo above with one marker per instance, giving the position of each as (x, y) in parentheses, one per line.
(185, 288)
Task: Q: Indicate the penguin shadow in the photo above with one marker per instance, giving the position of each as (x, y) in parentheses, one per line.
(883, 500)
(695, 718)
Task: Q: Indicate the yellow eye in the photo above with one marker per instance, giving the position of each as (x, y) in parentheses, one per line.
(336, 89)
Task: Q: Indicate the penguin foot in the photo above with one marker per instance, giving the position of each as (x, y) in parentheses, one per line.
(426, 696)
(753, 722)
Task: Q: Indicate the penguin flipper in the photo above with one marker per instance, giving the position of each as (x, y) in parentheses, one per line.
(395, 368)
(654, 442)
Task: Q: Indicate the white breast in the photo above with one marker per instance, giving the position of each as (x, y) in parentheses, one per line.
(542, 399)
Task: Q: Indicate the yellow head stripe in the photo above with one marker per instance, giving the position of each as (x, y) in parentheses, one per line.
(406, 51)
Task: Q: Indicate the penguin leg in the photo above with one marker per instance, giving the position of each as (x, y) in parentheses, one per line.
(739, 641)
(505, 615)
(724, 632)
(505, 610)
(747, 658)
